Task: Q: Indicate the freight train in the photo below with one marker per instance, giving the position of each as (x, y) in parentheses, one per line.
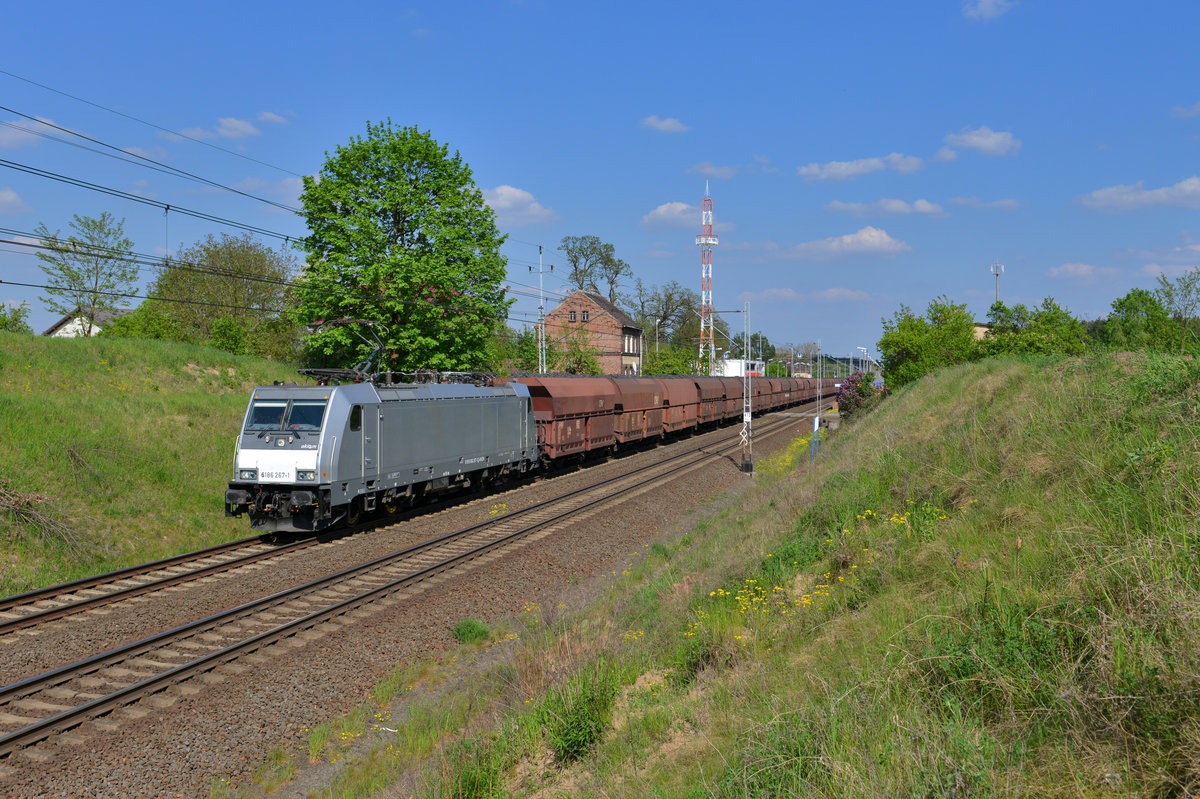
(312, 457)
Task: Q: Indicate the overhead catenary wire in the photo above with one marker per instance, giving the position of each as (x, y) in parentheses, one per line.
(126, 156)
(145, 122)
(45, 173)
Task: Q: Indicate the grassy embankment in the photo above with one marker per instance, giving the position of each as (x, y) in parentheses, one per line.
(989, 586)
(128, 445)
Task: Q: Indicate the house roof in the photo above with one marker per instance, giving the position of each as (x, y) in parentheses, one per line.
(102, 319)
(599, 300)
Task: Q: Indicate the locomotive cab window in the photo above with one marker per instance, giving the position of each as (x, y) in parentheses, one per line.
(306, 415)
(266, 415)
(356, 418)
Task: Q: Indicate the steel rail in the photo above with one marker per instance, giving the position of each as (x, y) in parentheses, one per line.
(67, 719)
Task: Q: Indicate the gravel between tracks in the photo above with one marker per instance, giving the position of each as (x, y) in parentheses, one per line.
(226, 729)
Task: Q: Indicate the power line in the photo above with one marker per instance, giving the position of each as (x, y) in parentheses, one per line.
(167, 207)
(158, 166)
(150, 124)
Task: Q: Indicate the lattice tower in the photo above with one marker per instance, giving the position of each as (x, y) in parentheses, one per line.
(706, 241)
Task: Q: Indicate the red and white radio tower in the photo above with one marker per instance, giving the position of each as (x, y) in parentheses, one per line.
(706, 241)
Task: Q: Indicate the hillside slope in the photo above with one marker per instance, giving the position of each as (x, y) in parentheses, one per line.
(126, 444)
(989, 586)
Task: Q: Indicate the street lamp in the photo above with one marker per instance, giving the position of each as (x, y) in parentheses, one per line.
(656, 321)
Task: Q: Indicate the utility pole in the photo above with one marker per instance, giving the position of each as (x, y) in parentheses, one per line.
(747, 436)
(997, 270)
(541, 325)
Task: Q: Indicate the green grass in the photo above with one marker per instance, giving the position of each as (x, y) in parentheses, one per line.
(126, 446)
(988, 586)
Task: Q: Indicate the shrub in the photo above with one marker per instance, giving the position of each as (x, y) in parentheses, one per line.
(469, 630)
(575, 715)
(858, 394)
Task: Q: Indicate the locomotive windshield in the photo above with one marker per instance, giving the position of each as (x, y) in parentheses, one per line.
(306, 415)
(266, 415)
(302, 415)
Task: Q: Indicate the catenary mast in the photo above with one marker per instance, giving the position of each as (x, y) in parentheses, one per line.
(706, 241)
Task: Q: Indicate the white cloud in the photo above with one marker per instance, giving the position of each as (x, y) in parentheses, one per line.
(770, 296)
(712, 170)
(840, 295)
(983, 139)
(946, 154)
(887, 206)
(11, 203)
(845, 170)
(672, 215)
(516, 207)
(986, 9)
(1085, 272)
(17, 133)
(153, 153)
(904, 164)
(1192, 110)
(1168, 271)
(667, 125)
(267, 116)
(866, 241)
(227, 128)
(1184, 194)
(762, 165)
(975, 202)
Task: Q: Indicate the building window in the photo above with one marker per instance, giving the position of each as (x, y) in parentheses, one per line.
(585, 315)
(570, 316)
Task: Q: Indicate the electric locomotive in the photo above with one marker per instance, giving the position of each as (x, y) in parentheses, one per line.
(310, 457)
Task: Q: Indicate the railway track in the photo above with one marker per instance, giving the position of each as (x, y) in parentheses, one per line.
(36, 607)
(156, 670)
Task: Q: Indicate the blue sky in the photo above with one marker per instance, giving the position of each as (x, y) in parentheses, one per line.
(860, 154)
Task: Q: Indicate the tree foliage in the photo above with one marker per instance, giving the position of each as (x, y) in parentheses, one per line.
(230, 292)
(1138, 321)
(89, 269)
(14, 318)
(1181, 299)
(400, 235)
(585, 255)
(669, 361)
(912, 346)
(1045, 329)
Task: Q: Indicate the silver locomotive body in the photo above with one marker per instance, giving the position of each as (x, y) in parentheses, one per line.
(310, 457)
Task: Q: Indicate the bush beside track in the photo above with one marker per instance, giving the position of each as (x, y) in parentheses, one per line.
(115, 452)
(986, 586)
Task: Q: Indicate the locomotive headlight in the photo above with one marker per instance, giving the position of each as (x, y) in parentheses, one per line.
(306, 475)
(248, 474)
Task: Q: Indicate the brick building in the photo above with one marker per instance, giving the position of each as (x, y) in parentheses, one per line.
(611, 332)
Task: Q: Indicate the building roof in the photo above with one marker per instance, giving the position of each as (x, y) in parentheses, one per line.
(598, 299)
(102, 319)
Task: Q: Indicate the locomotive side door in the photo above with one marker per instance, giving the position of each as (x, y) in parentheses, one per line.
(370, 441)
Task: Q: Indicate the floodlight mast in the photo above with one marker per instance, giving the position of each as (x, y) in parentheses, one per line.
(997, 270)
(706, 241)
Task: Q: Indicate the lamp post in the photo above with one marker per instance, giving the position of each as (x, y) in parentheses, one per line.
(863, 363)
(656, 321)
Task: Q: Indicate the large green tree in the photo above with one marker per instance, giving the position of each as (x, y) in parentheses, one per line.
(89, 270)
(401, 236)
(228, 291)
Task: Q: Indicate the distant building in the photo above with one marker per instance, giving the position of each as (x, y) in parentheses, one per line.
(614, 335)
(736, 367)
(74, 324)
(981, 330)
